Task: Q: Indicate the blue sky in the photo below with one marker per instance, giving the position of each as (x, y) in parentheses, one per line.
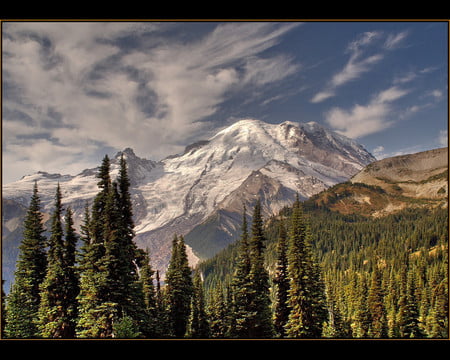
(74, 91)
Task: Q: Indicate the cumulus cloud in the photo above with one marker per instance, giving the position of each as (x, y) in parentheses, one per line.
(363, 120)
(74, 88)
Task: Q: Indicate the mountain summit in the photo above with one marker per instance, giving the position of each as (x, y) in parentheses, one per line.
(200, 192)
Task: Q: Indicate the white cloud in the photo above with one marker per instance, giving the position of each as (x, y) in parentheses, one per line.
(363, 120)
(356, 66)
(394, 40)
(378, 152)
(80, 84)
(322, 95)
(360, 62)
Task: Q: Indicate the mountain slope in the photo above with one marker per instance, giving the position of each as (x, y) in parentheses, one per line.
(211, 180)
(392, 184)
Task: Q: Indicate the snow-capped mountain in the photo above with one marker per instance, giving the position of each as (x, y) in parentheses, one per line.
(206, 186)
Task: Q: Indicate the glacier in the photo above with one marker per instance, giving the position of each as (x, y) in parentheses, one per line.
(248, 159)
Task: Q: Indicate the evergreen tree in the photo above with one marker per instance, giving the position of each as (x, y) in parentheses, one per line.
(96, 312)
(161, 314)
(335, 327)
(148, 289)
(281, 281)
(261, 317)
(198, 327)
(439, 306)
(72, 281)
(378, 326)
(240, 286)
(121, 252)
(98, 220)
(83, 256)
(58, 307)
(24, 298)
(230, 310)
(179, 288)
(391, 305)
(411, 327)
(217, 313)
(126, 328)
(361, 317)
(306, 289)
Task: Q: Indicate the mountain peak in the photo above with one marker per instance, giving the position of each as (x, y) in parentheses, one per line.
(127, 152)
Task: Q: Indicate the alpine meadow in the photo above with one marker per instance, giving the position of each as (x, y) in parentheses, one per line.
(225, 180)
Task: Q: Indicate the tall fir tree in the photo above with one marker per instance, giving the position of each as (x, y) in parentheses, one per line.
(240, 286)
(53, 319)
(96, 312)
(375, 304)
(149, 327)
(198, 326)
(24, 298)
(306, 291)
(261, 316)
(281, 282)
(130, 297)
(250, 283)
(217, 312)
(72, 281)
(439, 305)
(179, 288)
(335, 327)
(162, 315)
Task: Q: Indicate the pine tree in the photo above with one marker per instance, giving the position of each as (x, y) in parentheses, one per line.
(72, 281)
(149, 327)
(378, 326)
(306, 297)
(97, 220)
(24, 298)
(335, 327)
(361, 318)
(230, 310)
(96, 312)
(198, 326)
(110, 279)
(281, 281)
(411, 327)
(57, 312)
(161, 314)
(217, 312)
(179, 288)
(439, 306)
(261, 317)
(240, 286)
(122, 281)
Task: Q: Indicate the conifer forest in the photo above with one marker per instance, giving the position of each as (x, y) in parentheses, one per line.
(307, 272)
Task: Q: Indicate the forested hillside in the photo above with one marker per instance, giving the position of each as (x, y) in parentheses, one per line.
(385, 277)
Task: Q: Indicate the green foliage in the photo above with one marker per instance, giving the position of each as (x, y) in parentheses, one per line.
(125, 328)
(250, 284)
(349, 248)
(58, 306)
(179, 289)
(307, 273)
(24, 298)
